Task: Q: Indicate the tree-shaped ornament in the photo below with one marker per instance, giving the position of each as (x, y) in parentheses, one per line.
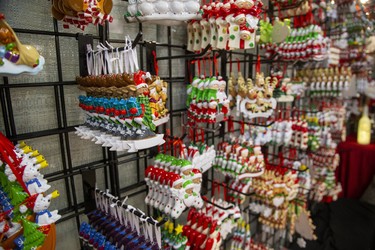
(32, 236)
(304, 225)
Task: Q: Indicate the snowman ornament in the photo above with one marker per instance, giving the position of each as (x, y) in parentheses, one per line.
(39, 204)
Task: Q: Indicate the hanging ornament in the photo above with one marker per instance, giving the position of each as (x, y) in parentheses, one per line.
(173, 12)
(15, 57)
(81, 13)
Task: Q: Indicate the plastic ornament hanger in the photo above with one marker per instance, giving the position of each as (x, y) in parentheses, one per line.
(15, 57)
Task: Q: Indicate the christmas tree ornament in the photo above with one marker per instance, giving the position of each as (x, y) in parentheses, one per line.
(26, 222)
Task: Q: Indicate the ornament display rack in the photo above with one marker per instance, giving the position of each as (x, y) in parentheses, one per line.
(111, 160)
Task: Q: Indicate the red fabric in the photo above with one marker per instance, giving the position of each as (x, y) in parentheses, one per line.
(357, 167)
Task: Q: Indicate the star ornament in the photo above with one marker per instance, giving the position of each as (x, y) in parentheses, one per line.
(178, 229)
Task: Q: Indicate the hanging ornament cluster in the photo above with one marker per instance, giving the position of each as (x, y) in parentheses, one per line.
(15, 57)
(207, 100)
(274, 190)
(282, 200)
(226, 218)
(126, 103)
(326, 120)
(306, 43)
(291, 132)
(239, 159)
(124, 86)
(325, 162)
(249, 99)
(326, 82)
(168, 13)
(202, 231)
(299, 10)
(242, 236)
(294, 87)
(172, 237)
(298, 215)
(81, 13)
(300, 134)
(23, 203)
(282, 132)
(315, 131)
(174, 184)
(283, 93)
(333, 55)
(224, 211)
(200, 155)
(337, 121)
(259, 135)
(239, 190)
(115, 225)
(225, 25)
(92, 238)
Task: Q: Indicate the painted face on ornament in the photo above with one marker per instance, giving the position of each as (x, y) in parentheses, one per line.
(215, 86)
(248, 5)
(186, 172)
(189, 191)
(178, 186)
(222, 87)
(240, 4)
(245, 37)
(240, 20)
(197, 180)
(143, 91)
